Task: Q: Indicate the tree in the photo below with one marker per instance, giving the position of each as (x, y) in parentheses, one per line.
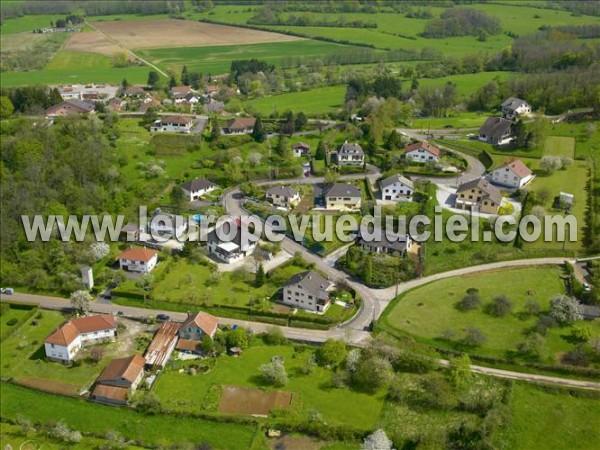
(283, 149)
(6, 107)
(274, 336)
(321, 151)
(177, 198)
(254, 158)
(215, 130)
(207, 345)
(471, 300)
(301, 121)
(520, 133)
(534, 346)
(460, 371)
(96, 354)
(532, 308)
(474, 337)
(377, 440)
(99, 250)
(258, 132)
(393, 141)
(581, 333)
(331, 353)
(237, 338)
(565, 309)
(373, 373)
(80, 301)
(185, 76)
(274, 372)
(153, 78)
(538, 131)
(352, 360)
(551, 163)
(172, 82)
(150, 116)
(367, 274)
(500, 306)
(259, 280)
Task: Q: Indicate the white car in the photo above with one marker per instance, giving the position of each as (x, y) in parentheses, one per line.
(7, 291)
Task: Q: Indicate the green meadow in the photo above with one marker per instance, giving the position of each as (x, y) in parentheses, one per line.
(315, 101)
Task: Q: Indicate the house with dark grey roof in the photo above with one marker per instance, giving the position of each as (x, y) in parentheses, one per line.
(478, 195)
(350, 154)
(197, 188)
(283, 196)
(513, 107)
(342, 196)
(496, 131)
(397, 188)
(396, 245)
(228, 247)
(309, 291)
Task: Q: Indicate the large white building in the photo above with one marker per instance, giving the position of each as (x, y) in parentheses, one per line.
(309, 291)
(397, 188)
(137, 259)
(342, 196)
(422, 152)
(350, 154)
(512, 174)
(64, 343)
(514, 107)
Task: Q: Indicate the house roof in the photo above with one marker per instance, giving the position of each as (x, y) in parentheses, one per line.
(123, 368)
(198, 184)
(188, 344)
(74, 105)
(69, 331)
(495, 126)
(132, 90)
(486, 187)
(518, 167)
(236, 239)
(130, 227)
(397, 242)
(158, 350)
(114, 393)
(176, 119)
(206, 322)
(425, 146)
(513, 103)
(214, 106)
(181, 90)
(286, 191)
(351, 148)
(301, 145)
(241, 123)
(211, 88)
(138, 254)
(394, 179)
(310, 281)
(343, 190)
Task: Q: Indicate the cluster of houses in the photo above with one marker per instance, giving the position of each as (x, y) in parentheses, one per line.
(121, 377)
(498, 130)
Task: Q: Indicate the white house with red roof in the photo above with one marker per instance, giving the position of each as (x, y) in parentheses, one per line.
(512, 174)
(64, 343)
(198, 325)
(422, 152)
(138, 259)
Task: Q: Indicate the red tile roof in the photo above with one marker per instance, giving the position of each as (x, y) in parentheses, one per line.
(204, 321)
(518, 167)
(425, 146)
(127, 368)
(118, 394)
(138, 254)
(69, 331)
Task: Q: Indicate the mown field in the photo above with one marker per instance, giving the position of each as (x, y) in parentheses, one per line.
(313, 102)
(429, 312)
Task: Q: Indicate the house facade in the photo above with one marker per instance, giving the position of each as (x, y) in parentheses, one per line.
(397, 188)
(478, 195)
(65, 342)
(515, 107)
(308, 291)
(198, 325)
(300, 149)
(422, 152)
(197, 188)
(239, 125)
(173, 124)
(70, 107)
(496, 131)
(343, 197)
(283, 196)
(137, 259)
(350, 154)
(513, 174)
(229, 250)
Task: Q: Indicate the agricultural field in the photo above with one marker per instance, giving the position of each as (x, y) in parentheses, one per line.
(26, 24)
(94, 42)
(429, 313)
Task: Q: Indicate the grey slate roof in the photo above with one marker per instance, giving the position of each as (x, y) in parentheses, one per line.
(397, 243)
(343, 190)
(513, 103)
(480, 183)
(198, 184)
(81, 104)
(285, 191)
(395, 178)
(495, 127)
(351, 148)
(312, 282)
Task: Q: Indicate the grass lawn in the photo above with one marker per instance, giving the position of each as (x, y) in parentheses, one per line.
(466, 84)
(94, 418)
(217, 59)
(551, 420)
(26, 24)
(465, 119)
(315, 101)
(587, 137)
(337, 406)
(428, 311)
(560, 146)
(12, 314)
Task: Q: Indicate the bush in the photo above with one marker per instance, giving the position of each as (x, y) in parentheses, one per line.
(474, 337)
(501, 306)
(274, 373)
(372, 374)
(470, 301)
(274, 336)
(12, 322)
(331, 353)
(565, 309)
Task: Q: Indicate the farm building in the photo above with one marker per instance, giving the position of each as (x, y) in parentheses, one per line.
(161, 347)
(119, 379)
(64, 343)
(137, 259)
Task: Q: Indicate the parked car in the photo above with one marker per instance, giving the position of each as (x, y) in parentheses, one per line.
(162, 317)
(586, 287)
(7, 291)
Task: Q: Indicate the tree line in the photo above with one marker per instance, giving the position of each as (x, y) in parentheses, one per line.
(462, 22)
(266, 16)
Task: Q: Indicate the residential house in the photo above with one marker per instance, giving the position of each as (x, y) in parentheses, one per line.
(514, 107)
(70, 107)
(179, 93)
(309, 291)
(173, 124)
(191, 99)
(116, 104)
(342, 196)
(166, 224)
(118, 380)
(138, 259)
(283, 196)
(478, 195)
(147, 103)
(240, 125)
(397, 188)
(350, 154)
(161, 347)
(69, 93)
(132, 91)
(198, 188)
(397, 245)
(211, 90)
(214, 107)
(300, 149)
(229, 250)
(64, 343)
(496, 131)
(512, 174)
(198, 325)
(130, 232)
(422, 152)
